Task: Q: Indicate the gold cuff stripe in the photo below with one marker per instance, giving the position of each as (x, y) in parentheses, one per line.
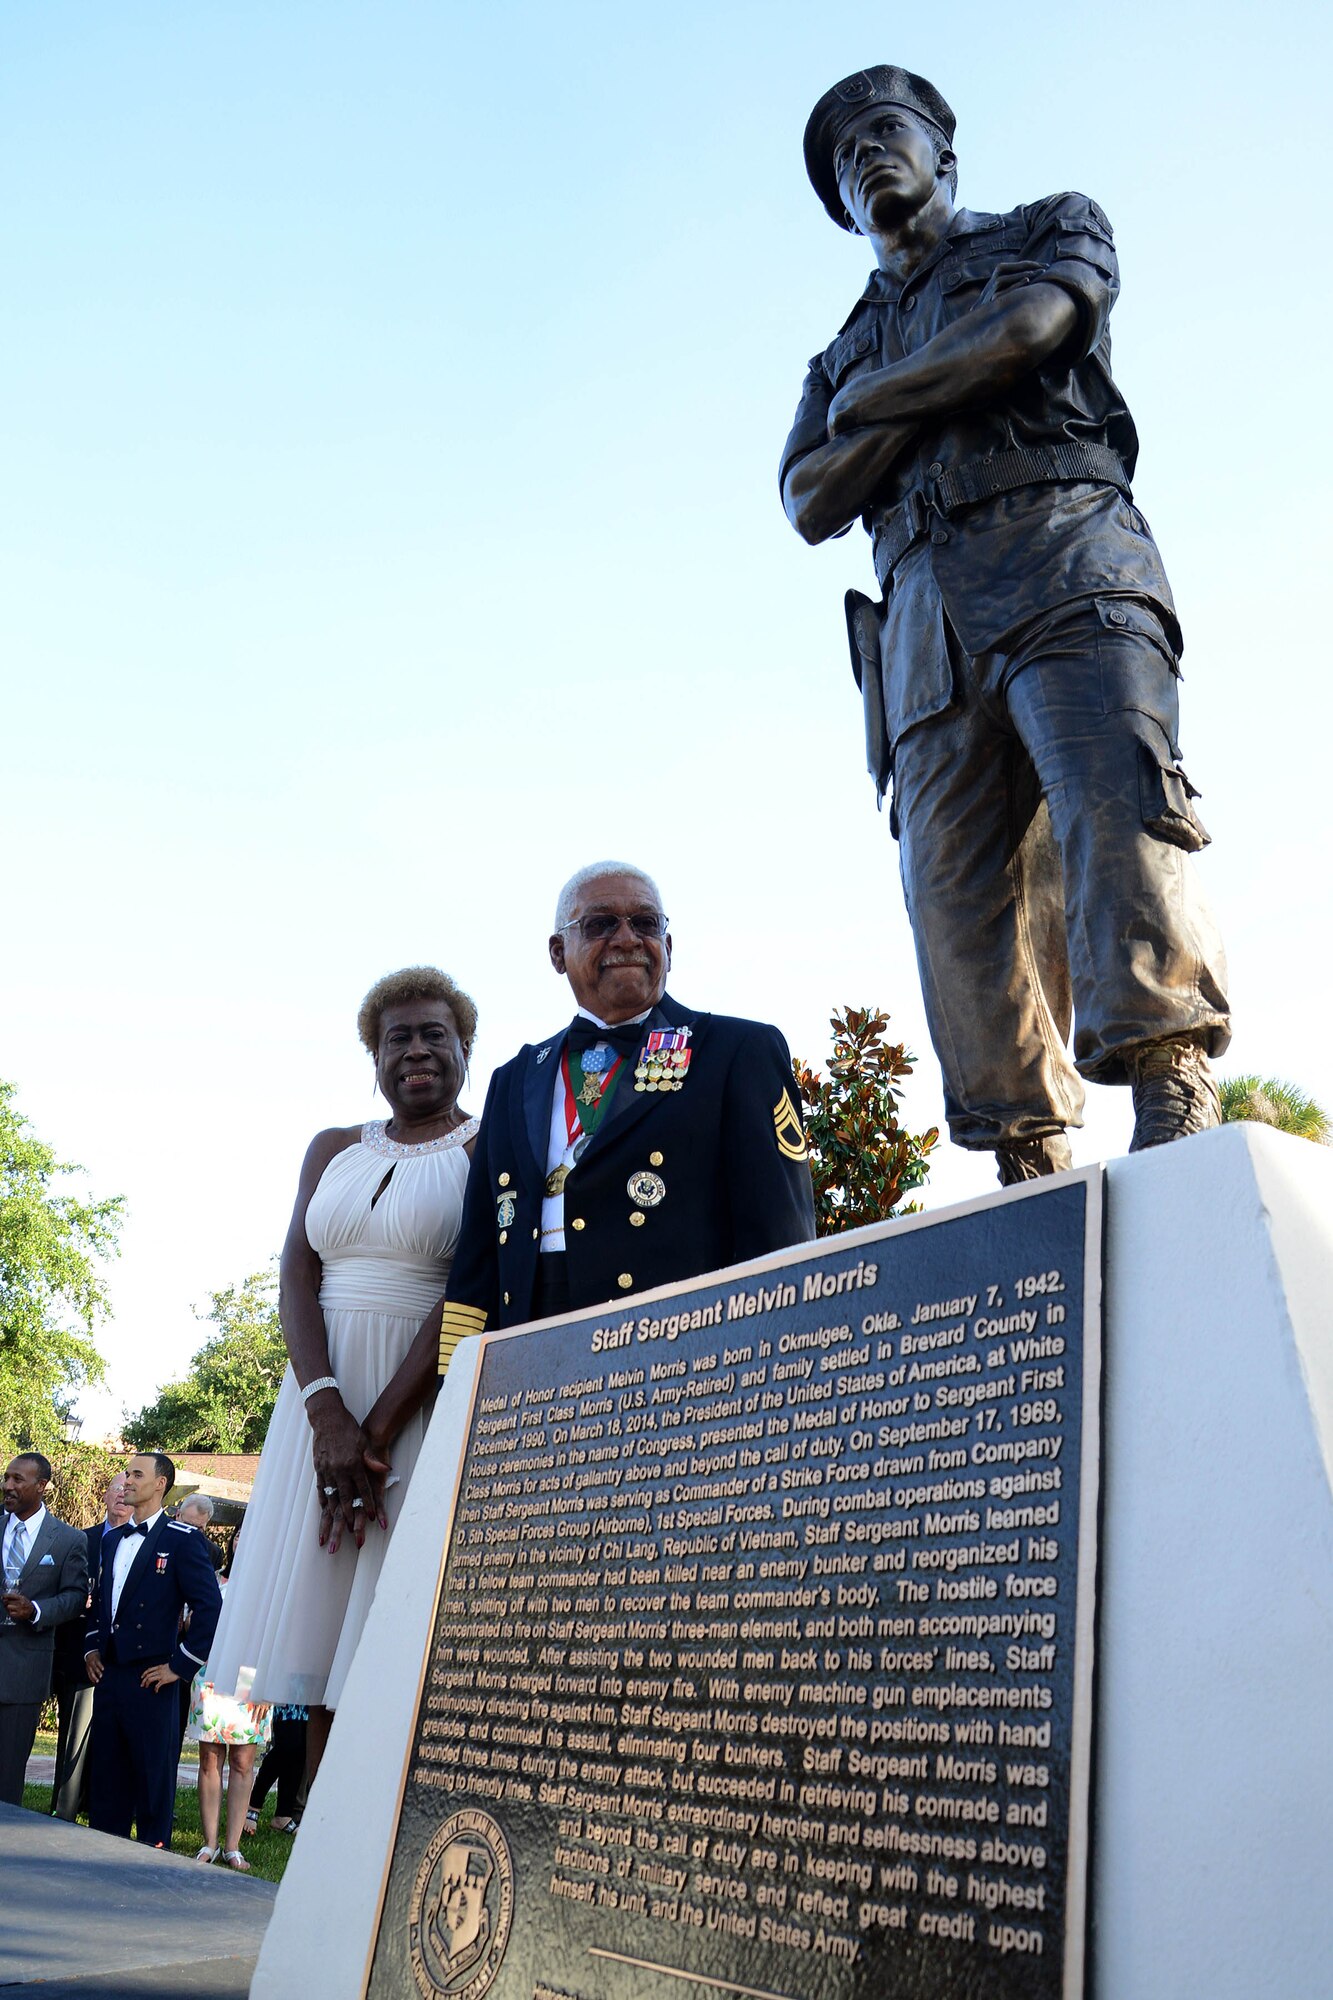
(457, 1322)
(471, 1317)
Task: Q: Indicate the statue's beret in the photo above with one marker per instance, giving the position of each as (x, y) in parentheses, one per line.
(885, 84)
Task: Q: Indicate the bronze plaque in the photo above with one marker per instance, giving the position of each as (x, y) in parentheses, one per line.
(763, 1648)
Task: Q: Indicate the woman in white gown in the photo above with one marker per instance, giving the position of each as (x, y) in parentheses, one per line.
(366, 1258)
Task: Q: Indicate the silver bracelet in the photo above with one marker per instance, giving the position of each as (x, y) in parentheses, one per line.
(320, 1382)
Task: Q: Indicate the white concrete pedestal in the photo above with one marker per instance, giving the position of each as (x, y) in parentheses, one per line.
(1213, 1784)
(1213, 1773)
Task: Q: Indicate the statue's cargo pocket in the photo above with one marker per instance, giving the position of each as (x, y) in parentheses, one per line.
(1165, 796)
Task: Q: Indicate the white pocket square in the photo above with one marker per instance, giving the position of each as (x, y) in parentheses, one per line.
(45, 1560)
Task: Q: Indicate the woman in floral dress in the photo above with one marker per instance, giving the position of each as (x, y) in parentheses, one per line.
(227, 1731)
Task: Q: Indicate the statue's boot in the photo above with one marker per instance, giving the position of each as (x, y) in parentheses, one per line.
(1174, 1092)
(1033, 1159)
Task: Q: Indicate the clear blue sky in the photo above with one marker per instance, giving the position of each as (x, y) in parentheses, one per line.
(390, 526)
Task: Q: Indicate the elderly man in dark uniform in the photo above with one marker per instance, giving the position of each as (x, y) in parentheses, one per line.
(642, 1144)
(1019, 674)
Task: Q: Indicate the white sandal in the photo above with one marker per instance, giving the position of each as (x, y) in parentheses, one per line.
(233, 1858)
(208, 1854)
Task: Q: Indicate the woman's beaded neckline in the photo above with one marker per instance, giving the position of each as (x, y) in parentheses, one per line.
(377, 1139)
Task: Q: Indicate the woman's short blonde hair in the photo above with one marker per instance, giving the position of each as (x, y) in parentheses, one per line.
(416, 982)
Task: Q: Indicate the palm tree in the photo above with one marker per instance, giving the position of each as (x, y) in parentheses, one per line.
(1267, 1100)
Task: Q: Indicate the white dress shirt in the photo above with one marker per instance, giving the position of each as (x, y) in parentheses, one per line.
(127, 1548)
(558, 1150)
(32, 1527)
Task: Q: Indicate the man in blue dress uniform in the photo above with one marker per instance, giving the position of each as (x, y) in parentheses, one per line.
(642, 1144)
(151, 1569)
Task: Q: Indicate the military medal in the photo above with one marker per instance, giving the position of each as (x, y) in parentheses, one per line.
(663, 1060)
(597, 1072)
(506, 1208)
(598, 1066)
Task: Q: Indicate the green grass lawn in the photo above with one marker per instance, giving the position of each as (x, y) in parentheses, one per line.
(266, 1852)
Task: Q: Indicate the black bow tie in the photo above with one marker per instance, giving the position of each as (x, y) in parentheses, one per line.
(626, 1040)
(133, 1528)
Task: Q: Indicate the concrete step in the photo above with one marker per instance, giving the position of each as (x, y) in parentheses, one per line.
(88, 1917)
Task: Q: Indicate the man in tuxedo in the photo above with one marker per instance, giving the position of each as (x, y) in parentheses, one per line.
(69, 1677)
(643, 1144)
(151, 1570)
(45, 1583)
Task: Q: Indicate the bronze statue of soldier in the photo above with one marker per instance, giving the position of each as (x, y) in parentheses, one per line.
(1019, 671)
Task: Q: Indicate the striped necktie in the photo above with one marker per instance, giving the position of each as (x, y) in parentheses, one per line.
(16, 1554)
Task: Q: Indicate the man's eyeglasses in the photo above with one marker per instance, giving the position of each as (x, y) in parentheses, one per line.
(603, 925)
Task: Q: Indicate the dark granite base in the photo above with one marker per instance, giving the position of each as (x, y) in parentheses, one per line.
(84, 1915)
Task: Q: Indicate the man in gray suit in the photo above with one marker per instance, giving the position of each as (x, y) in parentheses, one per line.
(44, 1570)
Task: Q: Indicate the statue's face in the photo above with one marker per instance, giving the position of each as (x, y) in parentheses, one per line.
(886, 167)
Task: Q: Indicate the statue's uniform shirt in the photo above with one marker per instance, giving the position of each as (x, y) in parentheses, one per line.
(1022, 553)
(1059, 581)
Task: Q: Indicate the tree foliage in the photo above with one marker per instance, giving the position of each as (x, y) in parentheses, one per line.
(52, 1295)
(225, 1401)
(80, 1475)
(1267, 1100)
(861, 1159)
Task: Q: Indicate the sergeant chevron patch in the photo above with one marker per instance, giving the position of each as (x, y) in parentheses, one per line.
(787, 1125)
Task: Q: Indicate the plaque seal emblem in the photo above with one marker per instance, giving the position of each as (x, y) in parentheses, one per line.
(645, 1190)
(462, 1908)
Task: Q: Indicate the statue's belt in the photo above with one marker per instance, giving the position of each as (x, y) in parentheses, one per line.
(895, 529)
